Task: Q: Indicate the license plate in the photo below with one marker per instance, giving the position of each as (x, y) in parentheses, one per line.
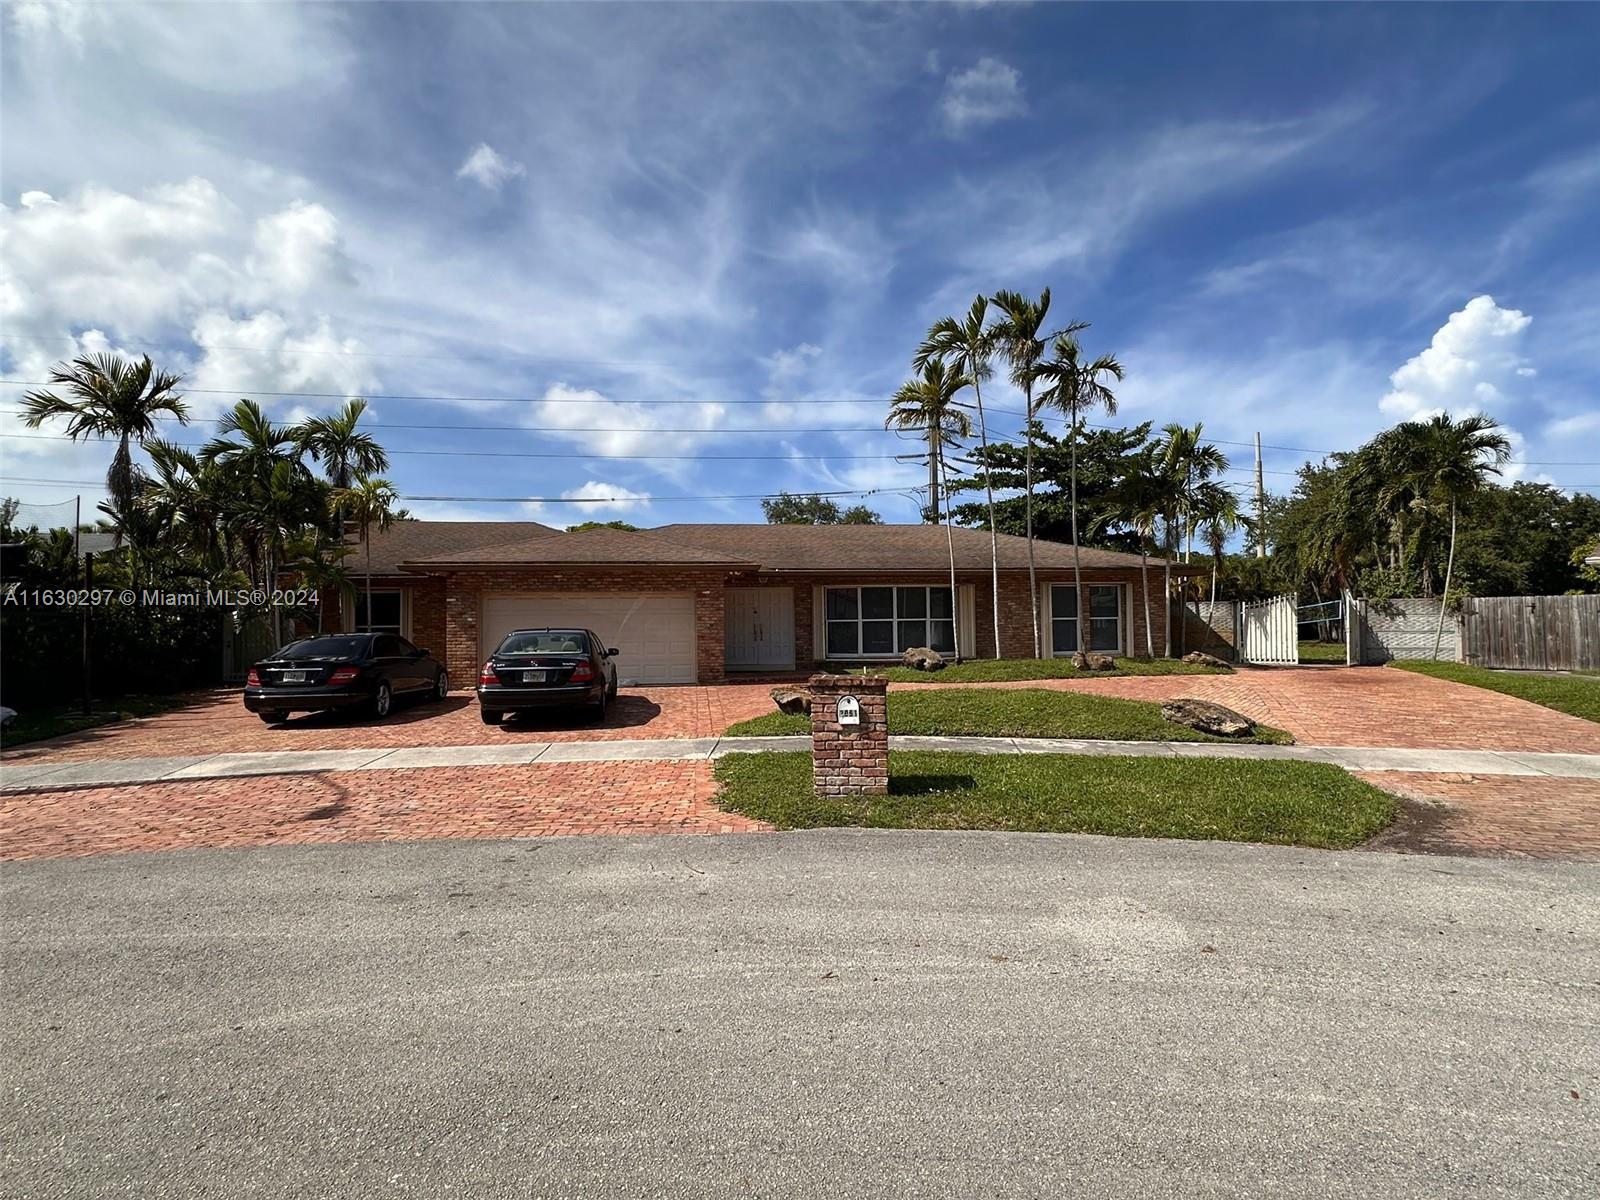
(294, 676)
(535, 676)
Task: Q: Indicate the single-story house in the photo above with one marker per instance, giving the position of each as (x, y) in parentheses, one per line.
(700, 603)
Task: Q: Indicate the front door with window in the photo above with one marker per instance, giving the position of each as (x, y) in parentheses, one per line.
(1105, 618)
(758, 625)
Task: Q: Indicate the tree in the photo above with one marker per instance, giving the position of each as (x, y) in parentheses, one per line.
(1186, 464)
(1443, 461)
(269, 492)
(1073, 386)
(622, 525)
(787, 509)
(109, 397)
(340, 448)
(373, 505)
(927, 404)
(1218, 517)
(1136, 500)
(967, 347)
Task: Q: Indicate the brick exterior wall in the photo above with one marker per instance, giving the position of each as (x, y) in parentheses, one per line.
(849, 760)
(461, 594)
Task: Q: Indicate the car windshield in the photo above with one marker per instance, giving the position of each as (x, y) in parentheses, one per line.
(548, 641)
(326, 647)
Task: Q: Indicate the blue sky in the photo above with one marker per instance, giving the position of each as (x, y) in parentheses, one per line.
(642, 228)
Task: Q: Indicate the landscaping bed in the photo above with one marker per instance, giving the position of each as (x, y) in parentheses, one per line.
(1237, 800)
(1577, 695)
(39, 724)
(1002, 670)
(1015, 712)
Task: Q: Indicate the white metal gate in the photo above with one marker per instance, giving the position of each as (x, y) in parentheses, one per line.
(1269, 632)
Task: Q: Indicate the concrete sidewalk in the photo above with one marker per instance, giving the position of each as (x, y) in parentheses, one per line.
(107, 772)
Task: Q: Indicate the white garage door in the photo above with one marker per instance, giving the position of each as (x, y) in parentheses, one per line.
(654, 632)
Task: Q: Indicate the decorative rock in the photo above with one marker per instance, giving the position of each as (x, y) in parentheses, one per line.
(1204, 660)
(1206, 717)
(1080, 661)
(920, 658)
(792, 700)
(1102, 662)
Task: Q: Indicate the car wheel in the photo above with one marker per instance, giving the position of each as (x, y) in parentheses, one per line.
(600, 706)
(382, 701)
(488, 717)
(270, 715)
(441, 689)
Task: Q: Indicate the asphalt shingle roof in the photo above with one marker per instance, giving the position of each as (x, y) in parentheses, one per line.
(594, 547)
(405, 541)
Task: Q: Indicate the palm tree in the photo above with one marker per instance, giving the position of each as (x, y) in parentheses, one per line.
(1444, 460)
(1186, 463)
(1073, 386)
(1136, 500)
(928, 405)
(184, 499)
(372, 505)
(340, 448)
(968, 347)
(1020, 337)
(110, 397)
(1218, 516)
(320, 565)
(270, 492)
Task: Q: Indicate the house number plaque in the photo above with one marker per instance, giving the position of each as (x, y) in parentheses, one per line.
(849, 710)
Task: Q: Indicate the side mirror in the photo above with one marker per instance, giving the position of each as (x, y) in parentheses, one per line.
(613, 652)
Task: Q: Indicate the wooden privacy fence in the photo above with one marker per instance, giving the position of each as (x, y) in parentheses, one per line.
(1532, 633)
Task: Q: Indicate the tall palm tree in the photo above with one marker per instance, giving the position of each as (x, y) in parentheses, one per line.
(1073, 386)
(342, 449)
(1444, 461)
(270, 492)
(968, 347)
(927, 405)
(373, 504)
(109, 397)
(1021, 338)
(1136, 500)
(184, 498)
(1218, 516)
(1186, 463)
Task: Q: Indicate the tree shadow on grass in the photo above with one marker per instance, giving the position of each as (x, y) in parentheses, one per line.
(924, 785)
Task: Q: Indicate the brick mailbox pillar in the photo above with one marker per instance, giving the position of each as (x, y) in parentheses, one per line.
(849, 734)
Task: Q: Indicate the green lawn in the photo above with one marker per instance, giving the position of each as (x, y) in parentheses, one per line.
(992, 670)
(1322, 652)
(44, 723)
(1014, 712)
(1578, 695)
(1236, 800)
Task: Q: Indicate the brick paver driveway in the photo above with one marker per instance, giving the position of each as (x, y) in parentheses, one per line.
(217, 722)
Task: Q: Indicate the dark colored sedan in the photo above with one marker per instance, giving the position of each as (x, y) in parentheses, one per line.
(369, 671)
(541, 668)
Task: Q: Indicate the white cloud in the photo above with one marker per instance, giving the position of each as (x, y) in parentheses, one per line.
(487, 167)
(41, 20)
(1574, 426)
(1471, 365)
(299, 248)
(606, 502)
(263, 352)
(985, 93)
(584, 417)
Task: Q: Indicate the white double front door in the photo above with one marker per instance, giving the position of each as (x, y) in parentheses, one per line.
(759, 628)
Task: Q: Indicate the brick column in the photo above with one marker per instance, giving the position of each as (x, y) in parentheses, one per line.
(850, 760)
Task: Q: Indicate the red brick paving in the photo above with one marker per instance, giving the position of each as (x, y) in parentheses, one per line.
(1494, 815)
(1364, 706)
(558, 800)
(217, 723)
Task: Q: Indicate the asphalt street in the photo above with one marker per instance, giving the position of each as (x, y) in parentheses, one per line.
(831, 1014)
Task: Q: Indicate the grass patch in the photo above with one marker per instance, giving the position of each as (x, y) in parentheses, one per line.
(1322, 652)
(1235, 800)
(1014, 712)
(997, 670)
(1577, 695)
(54, 722)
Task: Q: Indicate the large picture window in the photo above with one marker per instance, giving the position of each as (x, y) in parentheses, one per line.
(386, 613)
(884, 621)
(1105, 618)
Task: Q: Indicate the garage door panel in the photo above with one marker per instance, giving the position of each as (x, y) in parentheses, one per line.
(655, 632)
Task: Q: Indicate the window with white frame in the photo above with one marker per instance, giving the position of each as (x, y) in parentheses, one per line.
(1105, 618)
(387, 615)
(882, 621)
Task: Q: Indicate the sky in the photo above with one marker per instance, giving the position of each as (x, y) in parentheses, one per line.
(677, 257)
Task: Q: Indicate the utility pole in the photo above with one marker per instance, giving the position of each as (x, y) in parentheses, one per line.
(1261, 506)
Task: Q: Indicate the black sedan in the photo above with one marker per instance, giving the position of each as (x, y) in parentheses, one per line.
(368, 671)
(541, 668)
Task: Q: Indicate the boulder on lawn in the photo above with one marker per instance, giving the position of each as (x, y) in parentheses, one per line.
(792, 700)
(1102, 662)
(1080, 661)
(921, 658)
(1203, 660)
(1206, 717)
